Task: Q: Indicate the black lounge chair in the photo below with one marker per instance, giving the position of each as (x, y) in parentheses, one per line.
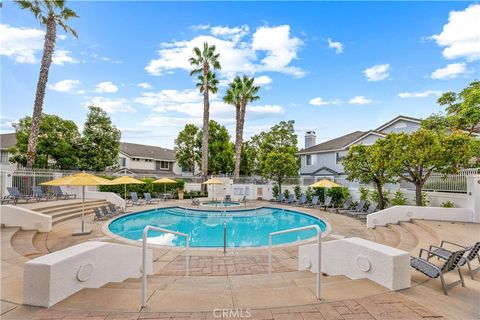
(113, 209)
(359, 208)
(149, 199)
(433, 271)
(363, 215)
(472, 252)
(98, 215)
(345, 207)
(228, 198)
(326, 203)
(314, 202)
(58, 192)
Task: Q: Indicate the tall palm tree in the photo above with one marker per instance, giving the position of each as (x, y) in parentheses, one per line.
(203, 61)
(239, 93)
(50, 14)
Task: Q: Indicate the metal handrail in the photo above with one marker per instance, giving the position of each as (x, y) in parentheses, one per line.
(144, 256)
(319, 248)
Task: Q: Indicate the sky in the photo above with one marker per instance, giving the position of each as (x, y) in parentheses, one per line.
(333, 67)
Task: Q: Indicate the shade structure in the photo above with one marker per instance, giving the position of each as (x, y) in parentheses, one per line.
(80, 179)
(213, 181)
(126, 180)
(165, 181)
(325, 183)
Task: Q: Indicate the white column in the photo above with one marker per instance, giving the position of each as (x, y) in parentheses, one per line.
(473, 196)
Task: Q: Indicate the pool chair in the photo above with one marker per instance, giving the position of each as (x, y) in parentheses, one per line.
(149, 199)
(15, 195)
(314, 202)
(106, 212)
(57, 191)
(39, 195)
(363, 215)
(433, 271)
(291, 199)
(302, 200)
(98, 215)
(345, 207)
(280, 198)
(227, 198)
(135, 200)
(113, 209)
(195, 202)
(359, 208)
(243, 199)
(327, 203)
(472, 253)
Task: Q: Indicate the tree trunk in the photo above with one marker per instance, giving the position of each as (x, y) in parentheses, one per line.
(49, 46)
(418, 194)
(206, 116)
(381, 200)
(239, 138)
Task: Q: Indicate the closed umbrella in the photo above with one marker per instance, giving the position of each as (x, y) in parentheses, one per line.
(325, 183)
(213, 181)
(80, 179)
(126, 180)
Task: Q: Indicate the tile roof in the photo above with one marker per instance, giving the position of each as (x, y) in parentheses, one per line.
(145, 151)
(334, 144)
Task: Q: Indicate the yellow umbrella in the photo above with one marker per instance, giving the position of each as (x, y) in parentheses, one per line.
(80, 179)
(325, 183)
(213, 181)
(126, 180)
(165, 181)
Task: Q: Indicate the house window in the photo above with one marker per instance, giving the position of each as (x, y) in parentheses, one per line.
(339, 157)
(122, 162)
(308, 160)
(162, 165)
(4, 156)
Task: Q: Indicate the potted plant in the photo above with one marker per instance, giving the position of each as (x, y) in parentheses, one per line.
(181, 192)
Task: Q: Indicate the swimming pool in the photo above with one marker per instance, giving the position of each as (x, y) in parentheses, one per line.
(245, 228)
(220, 204)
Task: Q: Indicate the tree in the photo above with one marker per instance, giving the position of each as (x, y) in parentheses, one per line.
(186, 150)
(278, 153)
(100, 143)
(220, 149)
(56, 145)
(49, 14)
(203, 62)
(463, 109)
(239, 93)
(417, 155)
(371, 164)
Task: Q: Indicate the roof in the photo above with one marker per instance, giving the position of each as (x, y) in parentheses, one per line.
(145, 151)
(334, 144)
(400, 117)
(7, 140)
(366, 134)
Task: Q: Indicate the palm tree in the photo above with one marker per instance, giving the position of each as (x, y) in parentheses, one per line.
(203, 61)
(239, 93)
(50, 14)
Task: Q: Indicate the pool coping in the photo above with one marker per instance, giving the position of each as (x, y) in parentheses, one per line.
(105, 229)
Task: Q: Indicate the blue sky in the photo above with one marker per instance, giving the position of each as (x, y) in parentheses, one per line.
(334, 67)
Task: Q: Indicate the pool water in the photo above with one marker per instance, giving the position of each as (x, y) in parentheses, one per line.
(220, 204)
(245, 228)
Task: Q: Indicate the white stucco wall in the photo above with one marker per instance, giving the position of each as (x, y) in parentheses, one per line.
(14, 216)
(55, 276)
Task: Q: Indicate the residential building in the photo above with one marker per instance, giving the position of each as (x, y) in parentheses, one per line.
(7, 140)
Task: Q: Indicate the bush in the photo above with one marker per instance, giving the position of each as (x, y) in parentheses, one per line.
(286, 194)
(320, 192)
(154, 189)
(399, 199)
(298, 191)
(424, 199)
(275, 191)
(448, 204)
(309, 194)
(386, 196)
(364, 192)
(339, 195)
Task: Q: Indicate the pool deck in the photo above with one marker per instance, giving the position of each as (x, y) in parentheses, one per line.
(238, 280)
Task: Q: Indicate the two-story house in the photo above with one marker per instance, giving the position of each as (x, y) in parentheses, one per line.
(324, 160)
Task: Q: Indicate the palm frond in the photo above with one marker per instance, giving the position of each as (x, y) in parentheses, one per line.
(68, 13)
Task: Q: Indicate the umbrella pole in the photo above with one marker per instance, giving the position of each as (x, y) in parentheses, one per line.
(125, 196)
(82, 231)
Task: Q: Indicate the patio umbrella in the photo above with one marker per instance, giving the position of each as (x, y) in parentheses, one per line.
(126, 180)
(165, 181)
(80, 179)
(325, 183)
(213, 181)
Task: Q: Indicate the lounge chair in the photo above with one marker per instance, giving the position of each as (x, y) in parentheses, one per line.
(314, 202)
(228, 198)
(243, 199)
(280, 198)
(39, 195)
(106, 213)
(472, 252)
(15, 195)
(195, 202)
(149, 199)
(113, 209)
(135, 200)
(302, 200)
(359, 208)
(433, 271)
(345, 207)
(98, 215)
(363, 215)
(57, 191)
(327, 203)
(291, 199)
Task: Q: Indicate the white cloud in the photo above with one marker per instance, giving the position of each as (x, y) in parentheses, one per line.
(274, 44)
(451, 71)
(200, 27)
(318, 101)
(378, 72)
(81, 92)
(337, 46)
(144, 85)
(102, 58)
(265, 110)
(20, 44)
(423, 94)
(61, 37)
(111, 105)
(163, 121)
(461, 35)
(360, 100)
(262, 80)
(60, 57)
(106, 86)
(64, 85)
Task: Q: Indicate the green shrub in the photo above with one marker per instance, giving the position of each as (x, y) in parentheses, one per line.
(448, 204)
(320, 192)
(339, 195)
(298, 191)
(424, 199)
(364, 192)
(386, 196)
(309, 193)
(399, 199)
(286, 194)
(275, 191)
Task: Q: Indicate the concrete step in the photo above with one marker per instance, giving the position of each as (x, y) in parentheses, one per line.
(425, 238)
(22, 242)
(408, 240)
(68, 211)
(390, 237)
(72, 205)
(69, 216)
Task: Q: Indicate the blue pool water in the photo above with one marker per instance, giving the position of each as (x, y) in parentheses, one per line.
(245, 228)
(220, 204)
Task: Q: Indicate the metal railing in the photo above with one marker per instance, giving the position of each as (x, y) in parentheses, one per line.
(319, 249)
(144, 256)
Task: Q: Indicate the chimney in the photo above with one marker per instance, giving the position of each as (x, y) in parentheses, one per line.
(310, 138)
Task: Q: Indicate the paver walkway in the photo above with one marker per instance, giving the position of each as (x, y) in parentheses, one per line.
(383, 306)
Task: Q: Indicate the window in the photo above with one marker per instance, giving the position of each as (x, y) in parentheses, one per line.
(162, 165)
(122, 162)
(339, 157)
(4, 156)
(308, 160)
